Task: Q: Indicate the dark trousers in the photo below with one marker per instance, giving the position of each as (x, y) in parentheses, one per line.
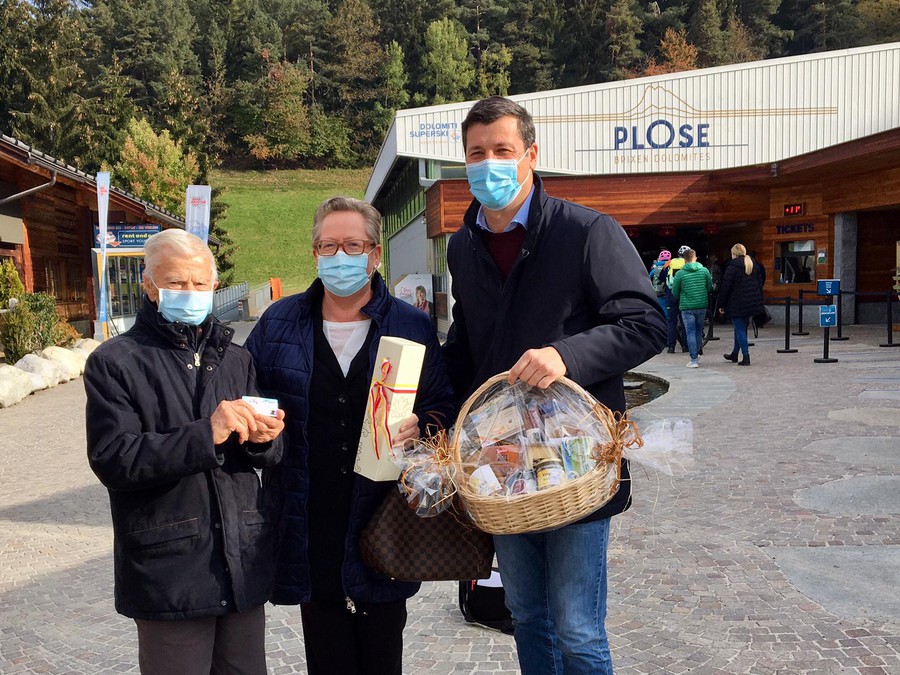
(673, 332)
(339, 642)
(231, 644)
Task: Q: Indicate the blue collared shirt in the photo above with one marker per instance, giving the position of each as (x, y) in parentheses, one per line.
(521, 217)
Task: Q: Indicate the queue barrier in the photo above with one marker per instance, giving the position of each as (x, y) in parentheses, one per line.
(889, 299)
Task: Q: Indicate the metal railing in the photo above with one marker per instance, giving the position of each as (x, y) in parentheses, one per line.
(226, 300)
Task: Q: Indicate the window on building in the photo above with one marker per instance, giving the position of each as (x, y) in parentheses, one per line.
(797, 262)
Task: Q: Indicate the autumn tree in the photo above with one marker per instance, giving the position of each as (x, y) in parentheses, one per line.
(154, 167)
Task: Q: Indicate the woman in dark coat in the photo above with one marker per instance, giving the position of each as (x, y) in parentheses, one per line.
(315, 352)
(740, 298)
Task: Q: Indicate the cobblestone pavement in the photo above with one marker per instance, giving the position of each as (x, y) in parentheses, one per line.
(703, 569)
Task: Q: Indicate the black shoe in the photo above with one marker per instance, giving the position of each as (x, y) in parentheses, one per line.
(731, 357)
(745, 361)
(671, 350)
(701, 352)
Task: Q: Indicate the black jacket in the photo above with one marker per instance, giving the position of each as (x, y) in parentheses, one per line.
(741, 294)
(282, 345)
(578, 285)
(192, 537)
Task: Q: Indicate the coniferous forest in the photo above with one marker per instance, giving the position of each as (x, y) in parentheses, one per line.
(172, 87)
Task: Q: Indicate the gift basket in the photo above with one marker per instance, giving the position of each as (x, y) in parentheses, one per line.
(529, 459)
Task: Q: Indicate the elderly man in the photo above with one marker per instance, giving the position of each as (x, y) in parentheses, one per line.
(546, 288)
(171, 438)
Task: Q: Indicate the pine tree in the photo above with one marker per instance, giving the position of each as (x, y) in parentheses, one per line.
(819, 25)
(584, 52)
(447, 66)
(533, 32)
(16, 36)
(352, 71)
(111, 108)
(705, 32)
(276, 125)
(493, 78)
(151, 39)
(623, 27)
(739, 46)
(766, 39)
(393, 88)
(53, 111)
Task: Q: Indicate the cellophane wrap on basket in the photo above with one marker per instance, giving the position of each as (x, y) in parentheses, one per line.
(518, 440)
(426, 474)
(531, 460)
(668, 443)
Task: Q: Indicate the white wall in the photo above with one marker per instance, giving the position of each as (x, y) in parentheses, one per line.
(409, 251)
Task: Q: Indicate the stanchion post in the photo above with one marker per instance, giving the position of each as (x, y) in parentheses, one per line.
(890, 322)
(840, 316)
(800, 330)
(712, 322)
(825, 358)
(787, 328)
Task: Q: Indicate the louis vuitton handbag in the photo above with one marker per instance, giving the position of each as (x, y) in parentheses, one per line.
(403, 546)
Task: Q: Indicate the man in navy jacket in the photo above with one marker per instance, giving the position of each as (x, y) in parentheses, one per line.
(545, 288)
(171, 438)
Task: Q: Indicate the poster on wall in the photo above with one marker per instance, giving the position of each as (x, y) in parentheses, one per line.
(417, 290)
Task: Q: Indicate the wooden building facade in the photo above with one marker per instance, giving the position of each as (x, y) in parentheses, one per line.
(47, 228)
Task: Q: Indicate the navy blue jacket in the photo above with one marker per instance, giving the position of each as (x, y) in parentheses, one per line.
(578, 285)
(282, 346)
(192, 537)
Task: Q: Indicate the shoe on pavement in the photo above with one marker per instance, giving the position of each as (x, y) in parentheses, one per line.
(731, 357)
(671, 350)
(693, 364)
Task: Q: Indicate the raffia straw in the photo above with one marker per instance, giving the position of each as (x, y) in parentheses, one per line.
(623, 433)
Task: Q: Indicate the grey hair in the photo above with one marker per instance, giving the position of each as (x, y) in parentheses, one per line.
(180, 242)
(369, 213)
(489, 110)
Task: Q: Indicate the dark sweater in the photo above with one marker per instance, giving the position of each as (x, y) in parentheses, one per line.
(504, 248)
(334, 427)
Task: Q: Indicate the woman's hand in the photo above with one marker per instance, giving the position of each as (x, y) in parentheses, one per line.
(409, 430)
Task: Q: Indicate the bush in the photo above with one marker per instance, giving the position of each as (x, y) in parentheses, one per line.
(10, 283)
(18, 333)
(46, 318)
(33, 325)
(65, 334)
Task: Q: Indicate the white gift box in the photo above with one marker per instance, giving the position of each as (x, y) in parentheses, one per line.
(392, 395)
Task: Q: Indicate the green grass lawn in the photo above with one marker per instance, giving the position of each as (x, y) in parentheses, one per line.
(270, 217)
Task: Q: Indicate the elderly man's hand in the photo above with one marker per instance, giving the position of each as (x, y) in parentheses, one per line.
(233, 417)
(268, 428)
(538, 367)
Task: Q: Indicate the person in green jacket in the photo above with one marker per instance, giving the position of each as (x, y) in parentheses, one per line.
(691, 287)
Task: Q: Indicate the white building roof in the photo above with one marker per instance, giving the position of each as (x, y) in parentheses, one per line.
(701, 120)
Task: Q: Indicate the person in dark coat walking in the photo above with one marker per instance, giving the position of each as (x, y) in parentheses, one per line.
(171, 438)
(740, 298)
(546, 288)
(316, 352)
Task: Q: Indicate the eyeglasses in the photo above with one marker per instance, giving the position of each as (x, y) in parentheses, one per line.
(327, 247)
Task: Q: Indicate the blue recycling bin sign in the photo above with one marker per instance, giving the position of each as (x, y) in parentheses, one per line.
(829, 287)
(827, 316)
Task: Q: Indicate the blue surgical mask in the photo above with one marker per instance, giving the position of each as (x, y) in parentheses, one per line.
(495, 182)
(344, 274)
(188, 307)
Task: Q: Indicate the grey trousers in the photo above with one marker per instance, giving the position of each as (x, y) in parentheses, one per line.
(231, 644)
